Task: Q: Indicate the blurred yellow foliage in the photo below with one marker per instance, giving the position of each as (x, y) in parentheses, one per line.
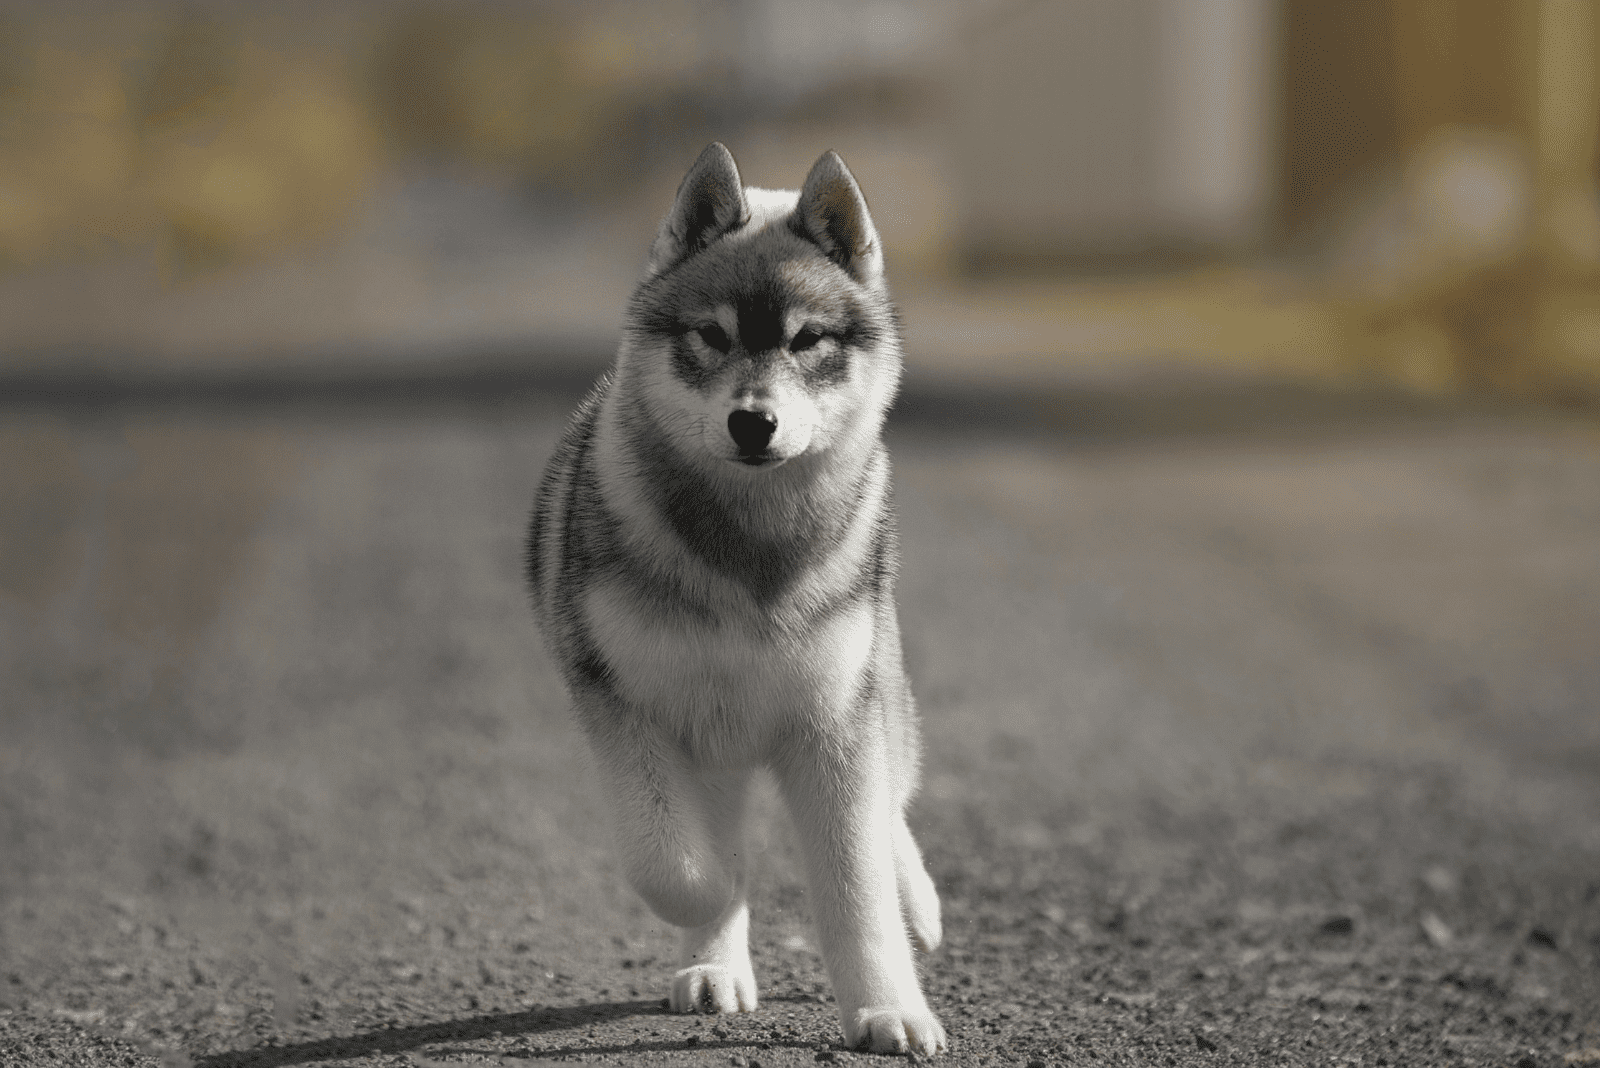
(174, 133)
(283, 156)
(67, 157)
(538, 95)
(212, 137)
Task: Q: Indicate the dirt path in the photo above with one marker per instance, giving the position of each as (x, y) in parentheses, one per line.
(1238, 754)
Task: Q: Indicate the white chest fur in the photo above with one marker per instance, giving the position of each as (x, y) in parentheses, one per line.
(725, 682)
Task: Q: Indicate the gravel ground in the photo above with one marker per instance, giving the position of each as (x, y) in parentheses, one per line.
(1241, 750)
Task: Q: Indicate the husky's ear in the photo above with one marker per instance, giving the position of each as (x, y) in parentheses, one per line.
(833, 213)
(710, 203)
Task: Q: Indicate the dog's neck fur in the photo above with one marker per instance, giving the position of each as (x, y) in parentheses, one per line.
(760, 529)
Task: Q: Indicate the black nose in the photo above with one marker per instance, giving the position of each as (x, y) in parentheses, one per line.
(751, 430)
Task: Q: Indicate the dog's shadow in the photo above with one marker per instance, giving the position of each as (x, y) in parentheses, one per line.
(392, 1040)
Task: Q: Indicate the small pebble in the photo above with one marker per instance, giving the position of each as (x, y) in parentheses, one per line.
(1338, 925)
(1543, 936)
(1436, 930)
(738, 1061)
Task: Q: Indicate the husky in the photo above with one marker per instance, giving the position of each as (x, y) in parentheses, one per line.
(712, 560)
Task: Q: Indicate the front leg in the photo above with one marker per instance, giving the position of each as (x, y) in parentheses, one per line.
(715, 969)
(680, 832)
(839, 798)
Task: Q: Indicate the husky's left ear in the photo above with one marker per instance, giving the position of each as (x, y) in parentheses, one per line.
(710, 202)
(833, 213)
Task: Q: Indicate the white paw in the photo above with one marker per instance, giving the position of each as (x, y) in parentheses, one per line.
(714, 988)
(895, 1031)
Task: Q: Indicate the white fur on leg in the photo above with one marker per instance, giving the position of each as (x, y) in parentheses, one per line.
(716, 968)
(918, 897)
(848, 837)
(679, 828)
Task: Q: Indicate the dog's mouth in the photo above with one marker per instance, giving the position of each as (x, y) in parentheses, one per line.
(759, 459)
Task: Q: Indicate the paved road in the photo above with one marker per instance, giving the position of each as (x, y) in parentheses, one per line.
(1243, 749)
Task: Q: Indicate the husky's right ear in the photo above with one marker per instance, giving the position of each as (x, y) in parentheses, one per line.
(710, 203)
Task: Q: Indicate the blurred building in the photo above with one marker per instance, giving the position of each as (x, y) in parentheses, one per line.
(1091, 133)
(1432, 163)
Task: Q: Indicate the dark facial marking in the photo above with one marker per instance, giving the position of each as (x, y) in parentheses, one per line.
(687, 365)
(715, 337)
(761, 311)
(762, 301)
(859, 331)
(832, 370)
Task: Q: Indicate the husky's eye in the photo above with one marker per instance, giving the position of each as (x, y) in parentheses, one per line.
(714, 336)
(805, 339)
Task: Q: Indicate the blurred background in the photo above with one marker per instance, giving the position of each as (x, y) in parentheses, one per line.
(1401, 191)
(1246, 456)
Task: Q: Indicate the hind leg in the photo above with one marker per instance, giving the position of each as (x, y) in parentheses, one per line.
(918, 898)
(680, 833)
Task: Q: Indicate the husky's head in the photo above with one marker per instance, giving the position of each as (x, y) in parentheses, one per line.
(762, 333)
